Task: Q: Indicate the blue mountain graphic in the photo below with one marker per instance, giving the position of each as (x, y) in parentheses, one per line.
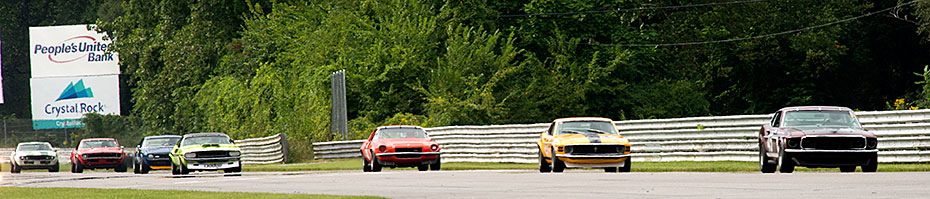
(74, 91)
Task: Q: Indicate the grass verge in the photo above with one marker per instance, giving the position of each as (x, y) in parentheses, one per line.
(22, 192)
(683, 166)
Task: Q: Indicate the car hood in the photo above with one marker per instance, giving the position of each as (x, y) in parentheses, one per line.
(34, 153)
(156, 150)
(101, 150)
(822, 131)
(590, 138)
(209, 147)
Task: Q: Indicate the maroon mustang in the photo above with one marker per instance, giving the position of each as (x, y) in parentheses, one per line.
(814, 137)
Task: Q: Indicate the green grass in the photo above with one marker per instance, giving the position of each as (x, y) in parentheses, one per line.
(22, 192)
(683, 166)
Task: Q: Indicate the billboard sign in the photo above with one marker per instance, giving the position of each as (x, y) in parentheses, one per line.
(72, 50)
(61, 102)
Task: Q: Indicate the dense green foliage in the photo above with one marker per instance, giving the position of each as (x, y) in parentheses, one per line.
(255, 68)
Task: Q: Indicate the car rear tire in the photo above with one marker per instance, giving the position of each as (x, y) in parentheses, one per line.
(785, 165)
(366, 167)
(136, 167)
(54, 168)
(610, 169)
(764, 162)
(233, 170)
(436, 166)
(175, 170)
(375, 165)
(544, 166)
(76, 167)
(626, 165)
(557, 165)
(183, 169)
(121, 168)
(847, 169)
(143, 168)
(872, 166)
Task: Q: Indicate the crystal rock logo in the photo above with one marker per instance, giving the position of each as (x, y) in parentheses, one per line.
(74, 49)
(74, 91)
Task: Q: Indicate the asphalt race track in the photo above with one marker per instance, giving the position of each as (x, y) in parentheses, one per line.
(508, 184)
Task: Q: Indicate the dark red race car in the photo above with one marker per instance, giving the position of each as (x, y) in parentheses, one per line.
(98, 153)
(399, 146)
(816, 136)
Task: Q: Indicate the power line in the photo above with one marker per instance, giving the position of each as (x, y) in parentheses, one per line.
(761, 36)
(631, 9)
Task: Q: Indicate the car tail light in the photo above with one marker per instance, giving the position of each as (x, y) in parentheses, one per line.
(434, 147)
(382, 148)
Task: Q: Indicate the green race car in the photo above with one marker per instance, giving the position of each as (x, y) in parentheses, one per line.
(205, 152)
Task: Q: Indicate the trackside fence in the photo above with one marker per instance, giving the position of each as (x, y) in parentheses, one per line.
(265, 150)
(904, 136)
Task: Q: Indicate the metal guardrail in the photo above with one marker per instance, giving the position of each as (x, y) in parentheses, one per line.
(265, 150)
(904, 136)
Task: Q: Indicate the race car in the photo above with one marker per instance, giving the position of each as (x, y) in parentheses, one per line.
(98, 153)
(34, 155)
(814, 137)
(205, 152)
(400, 146)
(584, 142)
(152, 153)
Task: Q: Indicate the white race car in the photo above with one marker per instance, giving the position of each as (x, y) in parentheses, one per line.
(34, 155)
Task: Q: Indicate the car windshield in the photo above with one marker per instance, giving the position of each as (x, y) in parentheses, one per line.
(34, 147)
(97, 143)
(586, 127)
(817, 118)
(400, 133)
(205, 140)
(160, 142)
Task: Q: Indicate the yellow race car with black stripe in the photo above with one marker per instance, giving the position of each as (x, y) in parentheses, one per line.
(583, 142)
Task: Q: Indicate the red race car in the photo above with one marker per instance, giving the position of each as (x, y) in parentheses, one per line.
(98, 153)
(399, 146)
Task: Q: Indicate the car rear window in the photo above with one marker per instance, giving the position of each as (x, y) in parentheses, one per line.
(160, 142)
(34, 147)
(205, 140)
(400, 133)
(596, 127)
(97, 143)
(820, 118)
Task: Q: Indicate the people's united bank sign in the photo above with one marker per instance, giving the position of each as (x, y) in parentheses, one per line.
(73, 74)
(60, 51)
